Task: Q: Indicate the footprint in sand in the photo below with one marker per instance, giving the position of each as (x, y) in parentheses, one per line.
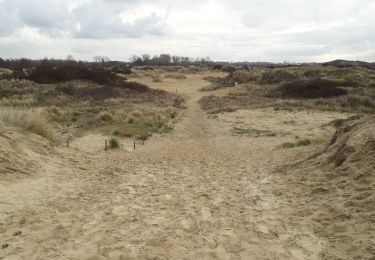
(206, 214)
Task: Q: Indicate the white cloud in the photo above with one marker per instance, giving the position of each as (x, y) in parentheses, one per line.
(272, 30)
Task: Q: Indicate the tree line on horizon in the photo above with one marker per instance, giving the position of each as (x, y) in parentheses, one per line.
(143, 60)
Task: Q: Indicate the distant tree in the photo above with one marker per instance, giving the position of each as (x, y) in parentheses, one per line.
(176, 59)
(138, 62)
(101, 59)
(146, 58)
(70, 58)
(165, 59)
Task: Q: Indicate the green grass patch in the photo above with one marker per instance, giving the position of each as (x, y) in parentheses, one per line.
(114, 143)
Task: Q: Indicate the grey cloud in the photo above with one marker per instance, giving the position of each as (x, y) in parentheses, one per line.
(8, 20)
(99, 21)
(94, 20)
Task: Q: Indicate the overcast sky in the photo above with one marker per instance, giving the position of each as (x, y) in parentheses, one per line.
(237, 30)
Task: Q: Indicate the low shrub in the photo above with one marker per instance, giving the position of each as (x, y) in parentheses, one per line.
(122, 70)
(114, 143)
(228, 68)
(314, 88)
(243, 76)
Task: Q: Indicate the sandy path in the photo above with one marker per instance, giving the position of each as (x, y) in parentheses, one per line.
(198, 193)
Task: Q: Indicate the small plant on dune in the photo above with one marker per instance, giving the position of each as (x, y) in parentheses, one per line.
(143, 136)
(114, 143)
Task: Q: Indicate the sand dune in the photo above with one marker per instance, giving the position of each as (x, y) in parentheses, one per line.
(201, 192)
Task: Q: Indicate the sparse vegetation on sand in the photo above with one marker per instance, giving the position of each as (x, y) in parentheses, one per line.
(175, 76)
(141, 124)
(252, 132)
(348, 89)
(78, 99)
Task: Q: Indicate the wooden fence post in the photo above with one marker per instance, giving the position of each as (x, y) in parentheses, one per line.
(106, 145)
(134, 144)
(67, 143)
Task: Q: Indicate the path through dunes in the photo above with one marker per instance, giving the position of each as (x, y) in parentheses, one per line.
(197, 193)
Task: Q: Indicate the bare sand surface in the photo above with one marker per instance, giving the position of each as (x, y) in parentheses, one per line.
(200, 192)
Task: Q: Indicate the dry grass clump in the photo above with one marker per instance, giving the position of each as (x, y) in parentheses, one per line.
(175, 76)
(54, 110)
(33, 121)
(5, 71)
(212, 79)
(211, 87)
(133, 121)
(105, 116)
(156, 79)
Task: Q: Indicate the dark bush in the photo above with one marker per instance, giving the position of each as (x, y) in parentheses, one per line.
(277, 76)
(218, 67)
(228, 68)
(146, 68)
(98, 93)
(132, 85)
(122, 70)
(314, 88)
(114, 143)
(312, 74)
(51, 75)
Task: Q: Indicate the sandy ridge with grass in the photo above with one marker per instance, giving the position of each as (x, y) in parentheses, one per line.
(200, 192)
